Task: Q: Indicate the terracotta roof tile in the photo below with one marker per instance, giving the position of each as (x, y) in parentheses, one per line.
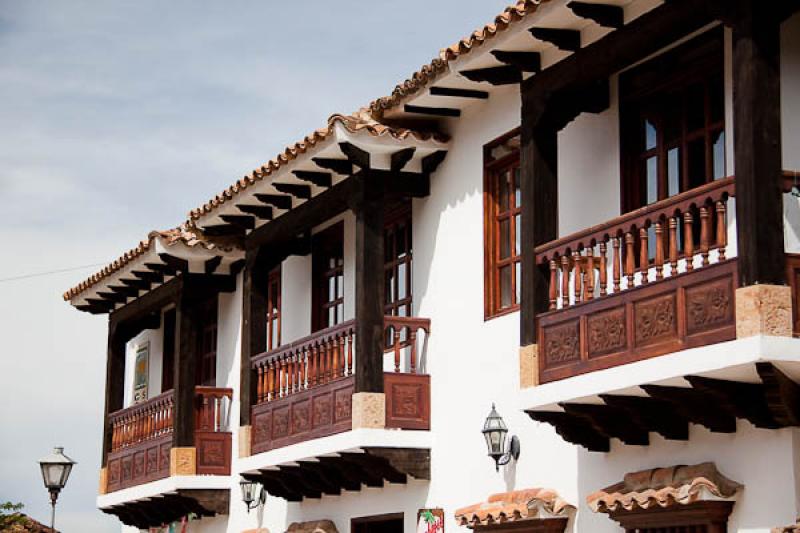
(516, 505)
(184, 234)
(429, 72)
(360, 121)
(664, 487)
(787, 529)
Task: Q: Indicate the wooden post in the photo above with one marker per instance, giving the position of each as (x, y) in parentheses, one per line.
(115, 383)
(539, 191)
(185, 371)
(254, 328)
(369, 210)
(757, 144)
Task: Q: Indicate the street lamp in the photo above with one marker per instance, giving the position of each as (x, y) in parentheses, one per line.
(55, 472)
(249, 489)
(495, 432)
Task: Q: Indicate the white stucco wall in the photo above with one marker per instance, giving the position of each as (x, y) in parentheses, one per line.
(156, 339)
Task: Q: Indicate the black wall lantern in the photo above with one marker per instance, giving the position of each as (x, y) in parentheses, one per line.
(495, 433)
(253, 494)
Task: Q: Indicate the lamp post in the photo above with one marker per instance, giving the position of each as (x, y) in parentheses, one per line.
(55, 472)
(249, 497)
(495, 432)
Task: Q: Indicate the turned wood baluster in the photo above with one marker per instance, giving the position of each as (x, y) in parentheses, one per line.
(553, 284)
(577, 276)
(271, 395)
(564, 281)
(260, 381)
(301, 357)
(292, 374)
(312, 366)
(673, 246)
(342, 363)
(412, 337)
(283, 376)
(688, 240)
(588, 285)
(396, 343)
(659, 250)
(644, 257)
(329, 363)
(630, 264)
(705, 232)
(349, 354)
(722, 230)
(603, 268)
(616, 263)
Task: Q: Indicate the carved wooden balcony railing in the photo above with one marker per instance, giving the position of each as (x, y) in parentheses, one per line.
(304, 389)
(141, 438)
(649, 282)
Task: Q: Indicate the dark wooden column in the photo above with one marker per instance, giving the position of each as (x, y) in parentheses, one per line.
(369, 284)
(115, 381)
(539, 189)
(757, 144)
(185, 369)
(254, 328)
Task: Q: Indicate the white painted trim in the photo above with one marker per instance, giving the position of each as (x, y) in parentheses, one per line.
(162, 486)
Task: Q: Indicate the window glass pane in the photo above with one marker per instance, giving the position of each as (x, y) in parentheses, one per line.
(651, 180)
(388, 284)
(518, 234)
(696, 107)
(517, 190)
(518, 268)
(649, 135)
(340, 286)
(331, 288)
(718, 153)
(331, 316)
(697, 162)
(502, 201)
(505, 286)
(505, 238)
(673, 171)
(402, 290)
(402, 310)
(274, 335)
(339, 313)
(651, 242)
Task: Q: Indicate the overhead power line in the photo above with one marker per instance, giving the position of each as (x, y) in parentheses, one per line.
(49, 272)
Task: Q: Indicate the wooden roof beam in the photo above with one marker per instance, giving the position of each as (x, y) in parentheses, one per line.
(694, 406)
(138, 283)
(343, 167)
(611, 422)
(149, 275)
(401, 158)
(606, 15)
(782, 394)
(320, 179)
(242, 221)
(432, 161)
(433, 111)
(131, 292)
(573, 429)
(656, 415)
(524, 61)
(355, 155)
(162, 268)
(181, 265)
(301, 192)
(568, 40)
(504, 75)
(278, 201)
(112, 297)
(211, 265)
(458, 93)
(262, 212)
(222, 230)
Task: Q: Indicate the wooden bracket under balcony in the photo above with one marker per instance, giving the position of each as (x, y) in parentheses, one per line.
(167, 508)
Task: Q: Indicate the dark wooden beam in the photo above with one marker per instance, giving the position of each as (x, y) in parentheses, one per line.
(757, 145)
(149, 275)
(433, 111)
(743, 400)
(112, 297)
(276, 200)
(177, 263)
(333, 475)
(569, 40)
(138, 283)
(505, 75)
(302, 192)
(610, 421)
(242, 221)
(130, 292)
(415, 462)
(351, 478)
(781, 393)
(162, 268)
(695, 407)
(432, 161)
(211, 265)
(369, 289)
(115, 384)
(573, 429)
(185, 372)
(343, 167)
(149, 302)
(355, 155)
(222, 230)
(607, 15)
(523, 61)
(458, 93)
(401, 158)
(94, 309)
(320, 179)
(369, 476)
(263, 212)
(656, 415)
(254, 329)
(305, 482)
(403, 184)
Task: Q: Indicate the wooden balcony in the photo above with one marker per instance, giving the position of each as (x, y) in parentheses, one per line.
(141, 438)
(650, 282)
(304, 388)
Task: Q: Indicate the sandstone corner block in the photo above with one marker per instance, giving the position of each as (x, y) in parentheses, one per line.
(764, 310)
(528, 366)
(369, 410)
(183, 461)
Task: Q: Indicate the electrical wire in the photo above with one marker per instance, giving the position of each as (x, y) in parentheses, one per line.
(49, 272)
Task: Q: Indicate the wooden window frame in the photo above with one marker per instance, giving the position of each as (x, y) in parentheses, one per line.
(208, 318)
(273, 311)
(325, 243)
(169, 321)
(397, 216)
(493, 169)
(698, 61)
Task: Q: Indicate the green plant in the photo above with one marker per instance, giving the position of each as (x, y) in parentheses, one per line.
(10, 514)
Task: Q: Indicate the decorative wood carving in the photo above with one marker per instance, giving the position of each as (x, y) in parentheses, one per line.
(407, 400)
(213, 453)
(140, 463)
(693, 309)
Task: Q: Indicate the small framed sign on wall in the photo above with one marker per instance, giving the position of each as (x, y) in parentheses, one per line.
(140, 371)
(430, 520)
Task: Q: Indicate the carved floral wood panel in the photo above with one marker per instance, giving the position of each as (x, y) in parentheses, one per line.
(607, 332)
(140, 463)
(562, 343)
(655, 320)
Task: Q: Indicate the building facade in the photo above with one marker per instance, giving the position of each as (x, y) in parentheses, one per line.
(585, 214)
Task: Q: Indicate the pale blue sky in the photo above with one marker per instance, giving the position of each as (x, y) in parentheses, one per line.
(117, 118)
